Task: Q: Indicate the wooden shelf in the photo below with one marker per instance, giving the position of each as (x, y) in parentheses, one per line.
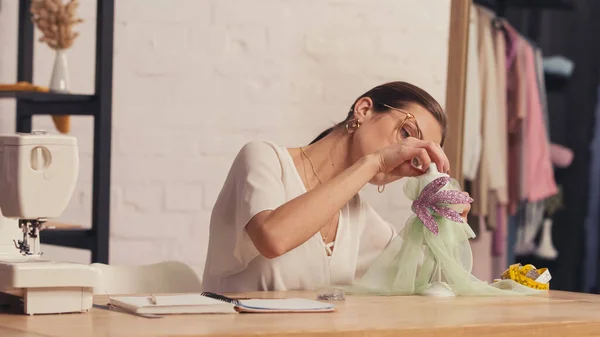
(73, 238)
(49, 103)
(45, 96)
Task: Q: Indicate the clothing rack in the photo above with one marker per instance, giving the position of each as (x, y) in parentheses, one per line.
(98, 105)
(554, 83)
(534, 8)
(500, 6)
(531, 18)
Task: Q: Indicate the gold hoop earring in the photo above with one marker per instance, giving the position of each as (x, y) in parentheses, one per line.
(380, 188)
(353, 125)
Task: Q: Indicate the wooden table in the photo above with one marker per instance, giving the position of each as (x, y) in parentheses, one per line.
(558, 314)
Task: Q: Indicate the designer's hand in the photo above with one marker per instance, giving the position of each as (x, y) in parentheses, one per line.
(396, 161)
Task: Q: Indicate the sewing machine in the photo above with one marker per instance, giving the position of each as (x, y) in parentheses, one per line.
(38, 173)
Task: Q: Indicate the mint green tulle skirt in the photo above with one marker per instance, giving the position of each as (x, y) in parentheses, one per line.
(416, 258)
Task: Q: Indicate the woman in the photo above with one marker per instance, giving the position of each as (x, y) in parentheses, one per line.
(292, 219)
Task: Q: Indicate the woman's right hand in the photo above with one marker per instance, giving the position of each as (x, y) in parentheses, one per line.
(396, 161)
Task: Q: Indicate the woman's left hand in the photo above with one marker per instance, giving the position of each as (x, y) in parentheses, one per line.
(467, 209)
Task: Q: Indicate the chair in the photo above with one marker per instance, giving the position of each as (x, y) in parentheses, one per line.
(163, 277)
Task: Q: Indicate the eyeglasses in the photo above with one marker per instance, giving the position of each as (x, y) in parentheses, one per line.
(409, 121)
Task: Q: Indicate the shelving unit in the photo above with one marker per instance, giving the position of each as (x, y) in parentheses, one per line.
(98, 105)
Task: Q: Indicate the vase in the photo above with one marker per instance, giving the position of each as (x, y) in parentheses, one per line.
(59, 82)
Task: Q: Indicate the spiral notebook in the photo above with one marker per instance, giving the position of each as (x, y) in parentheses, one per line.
(211, 303)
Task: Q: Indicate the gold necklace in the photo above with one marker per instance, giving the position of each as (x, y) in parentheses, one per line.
(321, 183)
(311, 166)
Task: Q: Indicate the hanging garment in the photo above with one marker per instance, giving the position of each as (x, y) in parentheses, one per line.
(499, 179)
(592, 220)
(472, 121)
(516, 112)
(539, 70)
(495, 105)
(535, 210)
(539, 175)
(523, 150)
(499, 234)
(491, 177)
(516, 117)
(479, 188)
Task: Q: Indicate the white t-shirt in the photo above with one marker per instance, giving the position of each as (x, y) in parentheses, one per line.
(263, 177)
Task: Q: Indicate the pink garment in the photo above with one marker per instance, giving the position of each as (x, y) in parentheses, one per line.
(561, 156)
(539, 174)
(482, 259)
(523, 150)
(516, 112)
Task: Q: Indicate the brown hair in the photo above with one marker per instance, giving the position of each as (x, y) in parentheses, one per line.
(398, 95)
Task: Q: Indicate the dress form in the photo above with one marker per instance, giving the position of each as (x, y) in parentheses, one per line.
(437, 287)
(432, 255)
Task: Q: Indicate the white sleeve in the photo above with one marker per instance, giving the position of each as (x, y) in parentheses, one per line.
(257, 186)
(376, 236)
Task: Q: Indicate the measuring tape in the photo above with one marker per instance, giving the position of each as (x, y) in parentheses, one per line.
(528, 276)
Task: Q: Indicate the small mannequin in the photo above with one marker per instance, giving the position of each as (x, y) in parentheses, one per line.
(432, 255)
(437, 287)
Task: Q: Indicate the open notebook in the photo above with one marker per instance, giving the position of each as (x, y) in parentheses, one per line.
(213, 304)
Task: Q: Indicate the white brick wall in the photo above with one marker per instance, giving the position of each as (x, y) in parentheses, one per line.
(196, 79)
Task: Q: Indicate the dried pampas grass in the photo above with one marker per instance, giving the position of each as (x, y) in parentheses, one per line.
(56, 20)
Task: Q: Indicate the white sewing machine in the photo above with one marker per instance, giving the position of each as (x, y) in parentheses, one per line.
(38, 172)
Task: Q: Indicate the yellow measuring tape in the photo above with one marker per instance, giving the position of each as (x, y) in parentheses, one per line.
(519, 274)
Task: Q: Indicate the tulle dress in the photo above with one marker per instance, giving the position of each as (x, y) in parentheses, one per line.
(433, 248)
